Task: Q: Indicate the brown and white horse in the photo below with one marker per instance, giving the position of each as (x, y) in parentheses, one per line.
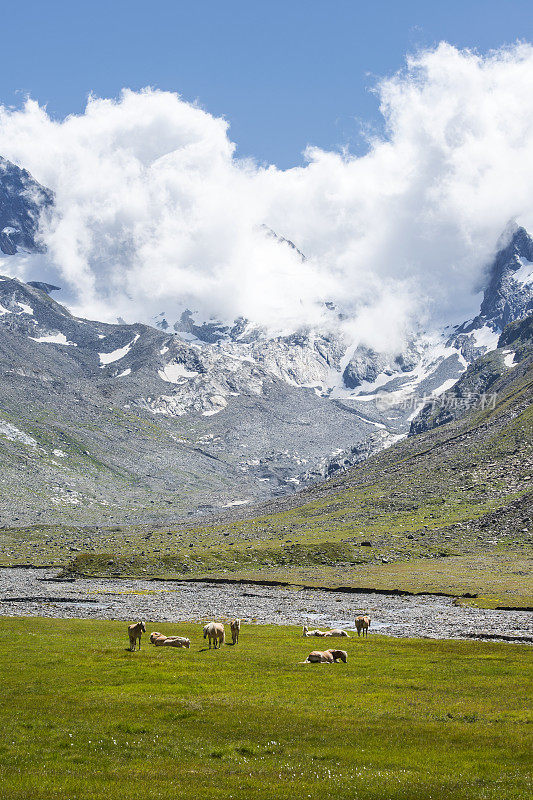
(362, 623)
(326, 657)
(135, 632)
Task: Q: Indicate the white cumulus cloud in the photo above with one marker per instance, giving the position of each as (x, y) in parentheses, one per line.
(155, 213)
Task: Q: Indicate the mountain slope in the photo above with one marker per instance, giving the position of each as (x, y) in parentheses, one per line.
(103, 422)
(446, 510)
(231, 421)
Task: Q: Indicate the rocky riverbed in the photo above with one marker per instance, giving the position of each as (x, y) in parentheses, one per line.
(37, 592)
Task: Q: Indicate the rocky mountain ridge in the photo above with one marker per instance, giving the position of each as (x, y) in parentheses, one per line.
(222, 414)
(22, 203)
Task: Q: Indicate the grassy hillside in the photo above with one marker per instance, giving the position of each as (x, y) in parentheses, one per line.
(403, 719)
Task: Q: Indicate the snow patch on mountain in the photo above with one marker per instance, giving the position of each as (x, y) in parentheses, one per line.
(116, 355)
(53, 338)
(508, 359)
(525, 273)
(487, 338)
(12, 433)
(175, 373)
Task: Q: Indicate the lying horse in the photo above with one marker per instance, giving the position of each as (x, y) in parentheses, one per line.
(307, 632)
(362, 623)
(215, 632)
(177, 641)
(326, 657)
(337, 632)
(135, 632)
(171, 641)
(235, 630)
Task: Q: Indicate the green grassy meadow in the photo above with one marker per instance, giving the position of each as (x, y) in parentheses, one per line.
(83, 718)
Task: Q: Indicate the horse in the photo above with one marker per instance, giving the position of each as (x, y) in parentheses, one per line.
(216, 633)
(135, 632)
(326, 657)
(169, 641)
(175, 641)
(337, 632)
(339, 655)
(362, 623)
(307, 632)
(235, 629)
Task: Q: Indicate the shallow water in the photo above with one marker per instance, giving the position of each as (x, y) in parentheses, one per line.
(30, 592)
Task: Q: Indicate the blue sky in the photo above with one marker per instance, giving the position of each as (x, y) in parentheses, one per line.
(285, 73)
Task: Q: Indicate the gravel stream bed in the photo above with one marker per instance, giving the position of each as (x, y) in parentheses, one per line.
(34, 592)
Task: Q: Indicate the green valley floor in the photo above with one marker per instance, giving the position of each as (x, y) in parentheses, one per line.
(84, 718)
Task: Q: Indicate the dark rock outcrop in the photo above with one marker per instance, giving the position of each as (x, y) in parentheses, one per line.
(22, 202)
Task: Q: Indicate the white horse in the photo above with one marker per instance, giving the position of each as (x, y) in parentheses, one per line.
(215, 632)
(235, 630)
(307, 632)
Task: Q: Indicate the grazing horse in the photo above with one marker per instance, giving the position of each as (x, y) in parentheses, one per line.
(235, 630)
(215, 632)
(307, 632)
(326, 657)
(337, 632)
(362, 624)
(135, 632)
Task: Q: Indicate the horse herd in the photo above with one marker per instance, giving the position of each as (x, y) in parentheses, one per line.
(215, 633)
